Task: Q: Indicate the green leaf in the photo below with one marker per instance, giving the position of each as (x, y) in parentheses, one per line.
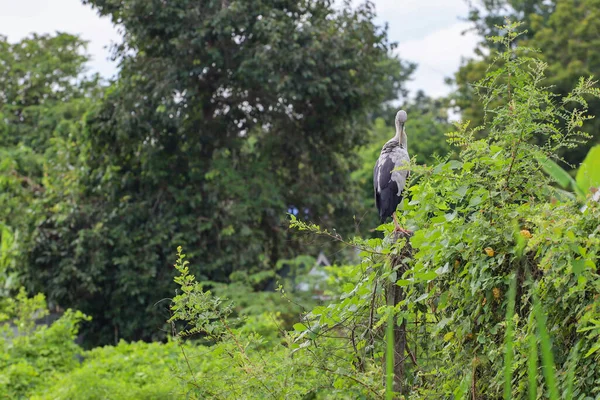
(298, 327)
(559, 175)
(389, 358)
(546, 346)
(592, 350)
(426, 276)
(573, 358)
(588, 175)
(422, 297)
(532, 366)
(578, 266)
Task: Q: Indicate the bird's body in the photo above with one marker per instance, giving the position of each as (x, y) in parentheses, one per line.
(388, 180)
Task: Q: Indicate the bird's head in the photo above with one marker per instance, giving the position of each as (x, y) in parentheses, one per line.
(401, 117)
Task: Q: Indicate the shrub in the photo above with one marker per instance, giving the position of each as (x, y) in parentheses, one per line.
(33, 355)
(127, 371)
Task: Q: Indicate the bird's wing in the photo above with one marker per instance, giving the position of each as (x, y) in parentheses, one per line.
(399, 158)
(386, 188)
(384, 172)
(375, 180)
(375, 173)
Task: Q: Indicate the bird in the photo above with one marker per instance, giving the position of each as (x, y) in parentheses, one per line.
(388, 180)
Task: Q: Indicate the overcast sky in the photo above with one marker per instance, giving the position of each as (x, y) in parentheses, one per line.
(428, 32)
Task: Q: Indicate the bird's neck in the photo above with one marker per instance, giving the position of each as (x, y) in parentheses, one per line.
(401, 135)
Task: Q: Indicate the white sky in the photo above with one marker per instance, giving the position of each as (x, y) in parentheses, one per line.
(428, 32)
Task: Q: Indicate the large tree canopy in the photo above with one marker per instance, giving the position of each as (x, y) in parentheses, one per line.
(225, 116)
(43, 97)
(488, 16)
(566, 32)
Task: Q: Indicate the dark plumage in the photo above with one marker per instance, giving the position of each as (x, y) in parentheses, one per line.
(388, 182)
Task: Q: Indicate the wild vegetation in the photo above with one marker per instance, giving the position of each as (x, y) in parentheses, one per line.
(565, 33)
(177, 205)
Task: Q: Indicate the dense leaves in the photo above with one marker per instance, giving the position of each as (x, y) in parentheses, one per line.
(224, 117)
(488, 16)
(484, 222)
(43, 100)
(565, 31)
(31, 354)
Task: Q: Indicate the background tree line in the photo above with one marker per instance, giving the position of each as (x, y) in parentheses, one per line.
(566, 34)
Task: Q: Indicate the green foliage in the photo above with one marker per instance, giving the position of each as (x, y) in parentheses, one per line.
(97, 186)
(241, 363)
(559, 175)
(250, 303)
(508, 338)
(532, 367)
(565, 33)
(33, 355)
(588, 175)
(389, 360)
(127, 371)
(587, 179)
(44, 97)
(44, 362)
(495, 276)
(8, 250)
(497, 287)
(546, 346)
(481, 221)
(225, 116)
(465, 211)
(489, 16)
(41, 362)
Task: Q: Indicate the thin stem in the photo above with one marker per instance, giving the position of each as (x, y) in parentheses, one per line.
(187, 361)
(353, 379)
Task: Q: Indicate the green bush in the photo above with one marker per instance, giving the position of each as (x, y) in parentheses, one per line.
(122, 372)
(243, 364)
(33, 355)
(481, 222)
(498, 294)
(43, 362)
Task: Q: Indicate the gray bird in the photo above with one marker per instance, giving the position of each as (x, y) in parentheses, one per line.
(389, 182)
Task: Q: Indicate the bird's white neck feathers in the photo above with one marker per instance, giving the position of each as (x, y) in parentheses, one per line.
(401, 135)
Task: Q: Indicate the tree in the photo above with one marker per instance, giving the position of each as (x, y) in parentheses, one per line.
(488, 16)
(565, 33)
(225, 116)
(43, 98)
(37, 74)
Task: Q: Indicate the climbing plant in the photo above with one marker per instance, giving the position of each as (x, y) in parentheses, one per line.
(499, 291)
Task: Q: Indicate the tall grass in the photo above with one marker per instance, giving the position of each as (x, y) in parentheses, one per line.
(389, 361)
(532, 366)
(540, 334)
(546, 347)
(508, 342)
(573, 357)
